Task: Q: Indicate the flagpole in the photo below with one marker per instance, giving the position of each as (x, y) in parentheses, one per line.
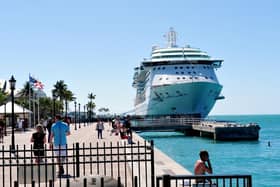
(38, 111)
(34, 109)
(29, 93)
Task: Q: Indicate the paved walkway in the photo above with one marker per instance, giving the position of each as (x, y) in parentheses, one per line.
(87, 134)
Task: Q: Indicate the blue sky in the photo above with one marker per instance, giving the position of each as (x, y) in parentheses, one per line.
(94, 45)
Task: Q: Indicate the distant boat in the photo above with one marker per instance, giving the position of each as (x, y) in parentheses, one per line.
(176, 81)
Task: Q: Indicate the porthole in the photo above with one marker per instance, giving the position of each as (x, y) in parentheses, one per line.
(166, 79)
(182, 72)
(176, 67)
(160, 79)
(178, 78)
(190, 77)
(181, 67)
(196, 77)
(184, 77)
(189, 72)
(158, 68)
(206, 77)
(177, 72)
(194, 72)
(163, 67)
(188, 67)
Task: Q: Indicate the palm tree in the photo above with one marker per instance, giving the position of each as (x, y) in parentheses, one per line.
(91, 105)
(24, 94)
(59, 89)
(3, 98)
(68, 96)
(91, 96)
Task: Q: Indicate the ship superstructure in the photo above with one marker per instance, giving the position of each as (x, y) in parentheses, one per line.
(178, 81)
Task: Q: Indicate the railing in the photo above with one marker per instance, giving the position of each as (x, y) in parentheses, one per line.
(122, 165)
(204, 181)
(164, 123)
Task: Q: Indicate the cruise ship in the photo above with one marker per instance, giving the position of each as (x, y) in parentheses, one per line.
(176, 81)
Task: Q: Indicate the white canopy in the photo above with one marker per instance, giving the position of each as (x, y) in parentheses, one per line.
(17, 109)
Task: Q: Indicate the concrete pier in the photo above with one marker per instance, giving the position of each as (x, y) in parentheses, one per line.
(227, 131)
(218, 130)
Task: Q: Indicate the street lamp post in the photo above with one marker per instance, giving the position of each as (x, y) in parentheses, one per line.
(75, 103)
(12, 87)
(66, 108)
(87, 116)
(54, 98)
(5, 121)
(79, 115)
(84, 115)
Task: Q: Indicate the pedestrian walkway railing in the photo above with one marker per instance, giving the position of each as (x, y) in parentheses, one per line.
(204, 181)
(125, 164)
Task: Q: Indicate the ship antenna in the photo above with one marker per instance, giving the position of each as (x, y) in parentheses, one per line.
(171, 38)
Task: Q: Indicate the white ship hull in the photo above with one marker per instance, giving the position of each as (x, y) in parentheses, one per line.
(193, 99)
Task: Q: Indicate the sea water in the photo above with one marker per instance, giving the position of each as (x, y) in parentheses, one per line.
(255, 158)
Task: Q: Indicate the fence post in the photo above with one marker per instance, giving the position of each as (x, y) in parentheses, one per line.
(85, 182)
(102, 181)
(77, 160)
(152, 164)
(250, 181)
(67, 183)
(15, 183)
(50, 183)
(166, 181)
(135, 181)
(119, 182)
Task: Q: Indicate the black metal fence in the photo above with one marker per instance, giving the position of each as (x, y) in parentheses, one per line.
(114, 164)
(204, 181)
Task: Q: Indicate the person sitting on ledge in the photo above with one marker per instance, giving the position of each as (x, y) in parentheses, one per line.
(203, 165)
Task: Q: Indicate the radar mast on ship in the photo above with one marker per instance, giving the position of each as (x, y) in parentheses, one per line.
(171, 38)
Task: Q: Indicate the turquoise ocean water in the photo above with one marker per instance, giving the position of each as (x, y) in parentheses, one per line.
(235, 157)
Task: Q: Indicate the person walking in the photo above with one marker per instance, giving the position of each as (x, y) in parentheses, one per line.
(39, 139)
(2, 129)
(50, 122)
(99, 128)
(127, 126)
(59, 131)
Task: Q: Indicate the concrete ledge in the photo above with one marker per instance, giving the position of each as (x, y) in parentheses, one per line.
(95, 181)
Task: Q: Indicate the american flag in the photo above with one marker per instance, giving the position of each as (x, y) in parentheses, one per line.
(36, 83)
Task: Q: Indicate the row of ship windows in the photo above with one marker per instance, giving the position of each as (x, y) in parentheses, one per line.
(181, 67)
(178, 78)
(178, 92)
(179, 56)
